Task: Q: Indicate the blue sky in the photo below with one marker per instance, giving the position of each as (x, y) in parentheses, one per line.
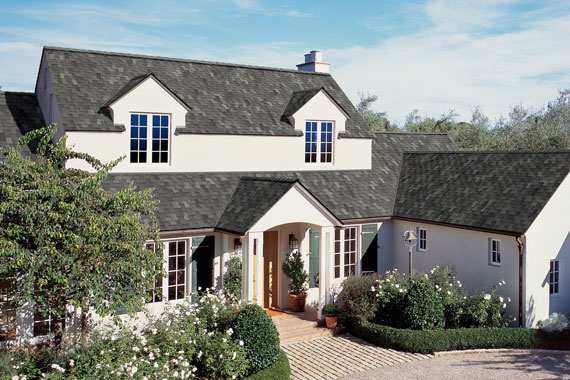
(431, 55)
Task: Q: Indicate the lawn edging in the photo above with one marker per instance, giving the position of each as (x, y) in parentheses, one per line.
(430, 341)
(280, 370)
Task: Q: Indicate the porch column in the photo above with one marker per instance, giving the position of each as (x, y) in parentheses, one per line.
(325, 263)
(245, 271)
(258, 236)
(249, 280)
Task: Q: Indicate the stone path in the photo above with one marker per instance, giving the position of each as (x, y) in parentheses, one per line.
(333, 357)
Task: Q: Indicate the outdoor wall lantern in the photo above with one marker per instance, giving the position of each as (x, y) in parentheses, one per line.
(293, 242)
(410, 240)
(237, 246)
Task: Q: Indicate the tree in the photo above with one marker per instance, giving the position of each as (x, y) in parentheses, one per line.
(377, 121)
(66, 241)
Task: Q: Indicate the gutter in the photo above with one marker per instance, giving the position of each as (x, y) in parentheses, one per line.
(520, 244)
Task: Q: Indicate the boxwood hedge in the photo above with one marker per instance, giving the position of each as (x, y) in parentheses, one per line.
(428, 341)
(279, 370)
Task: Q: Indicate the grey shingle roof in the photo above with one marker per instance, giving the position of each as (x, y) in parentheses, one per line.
(502, 191)
(251, 199)
(19, 114)
(225, 98)
(198, 200)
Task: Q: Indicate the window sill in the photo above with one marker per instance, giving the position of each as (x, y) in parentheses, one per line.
(495, 264)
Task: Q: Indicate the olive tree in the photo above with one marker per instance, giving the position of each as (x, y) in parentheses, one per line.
(65, 240)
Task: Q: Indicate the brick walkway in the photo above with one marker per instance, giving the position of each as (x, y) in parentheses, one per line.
(332, 357)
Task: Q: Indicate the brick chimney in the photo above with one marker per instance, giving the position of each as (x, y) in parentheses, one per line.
(314, 62)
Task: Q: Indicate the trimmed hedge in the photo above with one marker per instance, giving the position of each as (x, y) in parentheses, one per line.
(279, 370)
(428, 341)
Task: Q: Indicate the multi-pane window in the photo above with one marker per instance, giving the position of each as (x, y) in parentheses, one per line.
(350, 234)
(176, 270)
(311, 141)
(495, 252)
(45, 323)
(326, 141)
(160, 140)
(422, 239)
(7, 311)
(345, 250)
(138, 138)
(554, 277)
(319, 141)
(156, 293)
(337, 252)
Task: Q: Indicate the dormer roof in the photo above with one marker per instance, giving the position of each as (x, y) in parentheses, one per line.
(300, 98)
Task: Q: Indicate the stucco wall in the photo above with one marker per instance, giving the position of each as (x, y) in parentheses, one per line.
(219, 153)
(43, 90)
(465, 250)
(548, 238)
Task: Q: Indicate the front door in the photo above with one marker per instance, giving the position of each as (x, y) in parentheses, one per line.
(270, 265)
(369, 248)
(202, 263)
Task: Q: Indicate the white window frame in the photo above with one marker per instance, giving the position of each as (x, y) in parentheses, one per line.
(156, 296)
(150, 138)
(344, 264)
(319, 152)
(495, 252)
(554, 285)
(177, 269)
(422, 241)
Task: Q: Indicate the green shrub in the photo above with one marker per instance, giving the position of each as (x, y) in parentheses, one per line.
(357, 301)
(260, 337)
(389, 293)
(280, 370)
(330, 310)
(428, 341)
(452, 294)
(485, 309)
(232, 278)
(294, 268)
(422, 306)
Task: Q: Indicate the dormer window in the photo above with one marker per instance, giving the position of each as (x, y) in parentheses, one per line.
(160, 135)
(319, 141)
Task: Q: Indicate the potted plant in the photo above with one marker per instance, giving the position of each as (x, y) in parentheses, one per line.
(331, 315)
(294, 268)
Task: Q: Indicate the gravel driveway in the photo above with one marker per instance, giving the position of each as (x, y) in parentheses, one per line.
(494, 365)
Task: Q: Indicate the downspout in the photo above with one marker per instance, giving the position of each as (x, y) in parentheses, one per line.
(521, 250)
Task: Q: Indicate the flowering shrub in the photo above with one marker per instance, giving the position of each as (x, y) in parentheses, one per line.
(356, 301)
(189, 341)
(434, 300)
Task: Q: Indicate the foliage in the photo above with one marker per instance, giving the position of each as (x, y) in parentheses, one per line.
(484, 309)
(64, 240)
(547, 128)
(356, 300)
(377, 121)
(280, 370)
(232, 278)
(330, 310)
(189, 341)
(452, 294)
(294, 268)
(555, 322)
(255, 328)
(389, 297)
(427, 341)
(423, 307)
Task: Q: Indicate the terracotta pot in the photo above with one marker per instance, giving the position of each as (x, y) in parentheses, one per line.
(331, 322)
(297, 302)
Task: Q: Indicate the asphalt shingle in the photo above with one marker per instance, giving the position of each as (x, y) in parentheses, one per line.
(19, 113)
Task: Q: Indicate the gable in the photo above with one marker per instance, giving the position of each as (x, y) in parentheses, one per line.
(319, 106)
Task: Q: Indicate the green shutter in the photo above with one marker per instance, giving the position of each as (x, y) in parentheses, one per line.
(196, 241)
(314, 258)
(369, 248)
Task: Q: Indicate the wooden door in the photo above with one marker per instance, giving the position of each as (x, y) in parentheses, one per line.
(314, 253)
(270, 266)
(202, 262)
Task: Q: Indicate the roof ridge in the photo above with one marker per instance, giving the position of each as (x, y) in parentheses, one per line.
(18, 92)
(196, 61)
(409, 133)
(270, 179)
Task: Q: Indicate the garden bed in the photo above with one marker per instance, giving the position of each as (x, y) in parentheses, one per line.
(280, 370)
(429, 341)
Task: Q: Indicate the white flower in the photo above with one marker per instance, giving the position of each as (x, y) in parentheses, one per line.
(200, 354)
(221, 356)
(136, 349)
(501, 299)
(397, 286)
(230, 331)
(57, 368)
(509, 299)
(372, 289)
(504, 306)
(71, 363)
(234, 356)
(487, 296)
(240, 343)
(448, 292)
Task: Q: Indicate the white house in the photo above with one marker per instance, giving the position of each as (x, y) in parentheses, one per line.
(256, 161)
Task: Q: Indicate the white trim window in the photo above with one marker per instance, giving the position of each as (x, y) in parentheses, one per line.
(176, 270)
(7, 310)
(422, 239)
(494, 252)
(155, 295)
(554, 277)
(319, 143)
(345, 251)
(159, 149)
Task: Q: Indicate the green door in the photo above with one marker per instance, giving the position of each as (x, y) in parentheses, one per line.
(314, 248)
(202, 262)
(369, 248)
